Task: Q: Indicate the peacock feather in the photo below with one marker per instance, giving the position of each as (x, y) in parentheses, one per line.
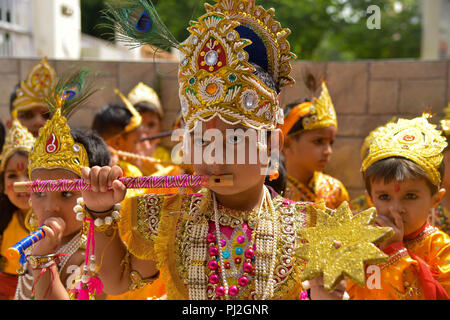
(71, 91)
(136, 23)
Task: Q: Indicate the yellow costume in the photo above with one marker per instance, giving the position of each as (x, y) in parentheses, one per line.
(17, 139)
(314, 115)
(321, 186)
(418, 267)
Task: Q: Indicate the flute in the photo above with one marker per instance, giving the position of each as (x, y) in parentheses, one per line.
(17, 251)
(180, 181)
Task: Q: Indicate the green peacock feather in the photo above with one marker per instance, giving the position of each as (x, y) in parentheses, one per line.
(72, 90)
(136, 23)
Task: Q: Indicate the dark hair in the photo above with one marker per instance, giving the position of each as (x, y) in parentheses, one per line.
(111, 120)
(2, 135)
(13, 97)
(145, 106)
(7, 207)
(265, 77)
(279, 184)
(397, 168)
(95, 146)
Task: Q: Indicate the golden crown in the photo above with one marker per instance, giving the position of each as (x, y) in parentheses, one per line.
(216, 77)
(136, 118)
(18, 138)
(144, 93)
(55, 148)
(322, 113)
(415, 139)
(40, 82)
(317, 114)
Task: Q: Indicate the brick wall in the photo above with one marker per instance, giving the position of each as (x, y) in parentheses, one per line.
(366, 94)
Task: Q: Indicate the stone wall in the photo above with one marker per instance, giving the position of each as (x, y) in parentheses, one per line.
(366, 94)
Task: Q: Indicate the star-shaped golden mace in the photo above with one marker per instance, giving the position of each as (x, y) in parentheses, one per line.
(340, 243)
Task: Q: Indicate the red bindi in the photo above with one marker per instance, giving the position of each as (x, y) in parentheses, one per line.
(20, 166)
(397, 187)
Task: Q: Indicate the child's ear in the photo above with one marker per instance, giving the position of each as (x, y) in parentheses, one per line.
(437, 197)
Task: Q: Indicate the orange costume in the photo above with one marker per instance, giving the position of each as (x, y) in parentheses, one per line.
(418, 269)
(314, 115)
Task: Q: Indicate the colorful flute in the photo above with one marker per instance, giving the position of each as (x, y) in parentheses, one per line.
(180, 181)
(17, 251)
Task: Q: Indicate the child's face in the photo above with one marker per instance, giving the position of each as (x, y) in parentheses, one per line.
(245, 176)
(311, 149)
(126, 142)
(151, 124)
(56, 204)
(411, 198)
(16, 170)
(34, 119)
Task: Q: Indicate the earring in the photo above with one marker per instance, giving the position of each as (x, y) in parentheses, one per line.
(31, 221)
(273, 173)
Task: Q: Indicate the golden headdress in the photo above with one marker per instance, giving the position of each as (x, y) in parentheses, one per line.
(317, 114)
(40, 82)
(144, 93)
(136, 118)
(368, 140)
(18, 138)
(55, 147)
(415, 139)
(216, 73)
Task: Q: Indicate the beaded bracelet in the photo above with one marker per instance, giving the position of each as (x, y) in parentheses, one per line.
(41, 262)
(101, 224)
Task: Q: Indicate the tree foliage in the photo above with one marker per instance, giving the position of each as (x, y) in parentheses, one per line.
(321, 29)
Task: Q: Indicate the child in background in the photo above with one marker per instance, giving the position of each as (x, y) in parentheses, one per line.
(146, 101)
(310, 128)
(28, 97)
(14, 205)
(403, 174)
(120, 127)
(54, 268)
(440, 216)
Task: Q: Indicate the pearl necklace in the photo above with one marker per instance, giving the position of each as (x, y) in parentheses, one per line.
(265, 248)
(26, 280)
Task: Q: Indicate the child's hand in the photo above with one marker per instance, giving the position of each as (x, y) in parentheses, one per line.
(394, 221)
(318, 291)
(54, 229)
(100, 198)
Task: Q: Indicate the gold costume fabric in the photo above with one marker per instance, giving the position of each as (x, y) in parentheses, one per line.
(161, 228)
(321, 186)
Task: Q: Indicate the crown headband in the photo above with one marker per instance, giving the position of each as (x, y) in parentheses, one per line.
(136, 118)
(314, 115)
(415, 139)
(18, 138)
(216, 74)
(40, 81)
(144, 93)
(55, 147)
